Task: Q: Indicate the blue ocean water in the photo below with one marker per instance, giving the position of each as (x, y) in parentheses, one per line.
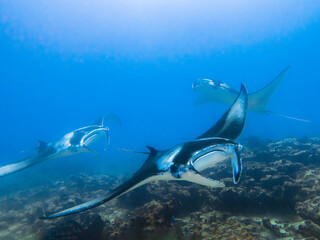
(63, 64)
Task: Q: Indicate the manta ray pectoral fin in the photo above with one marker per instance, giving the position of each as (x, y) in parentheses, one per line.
(15, 167)
(131, 184)
(195, 177)
(258, 100)
(134, 182)
(231, 124)
(202, 98)
(80, 208)
(91, 151)
(113, 117)
(236, 166)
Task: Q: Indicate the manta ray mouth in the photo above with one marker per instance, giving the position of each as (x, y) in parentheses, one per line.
(94, 135)
(209, 160)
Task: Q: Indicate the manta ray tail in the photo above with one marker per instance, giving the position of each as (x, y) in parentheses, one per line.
(152, 151)
(293, 118)
(133, 151)
(258, 100)
(231, 124)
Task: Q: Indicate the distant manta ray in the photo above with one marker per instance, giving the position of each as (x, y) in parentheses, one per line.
(185, 160)
(70, 144)
(218, 91)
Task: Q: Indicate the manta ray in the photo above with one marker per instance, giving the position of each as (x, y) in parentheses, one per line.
(218, 91)
(71, 143)
(185, 161)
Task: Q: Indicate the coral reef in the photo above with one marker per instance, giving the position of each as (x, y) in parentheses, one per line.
(277, 198)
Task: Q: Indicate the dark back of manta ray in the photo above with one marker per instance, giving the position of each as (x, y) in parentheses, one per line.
(231, 124)
(232, 132)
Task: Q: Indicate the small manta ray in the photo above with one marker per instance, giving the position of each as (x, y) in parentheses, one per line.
(70, 144)
(185, 161)
(218, 91)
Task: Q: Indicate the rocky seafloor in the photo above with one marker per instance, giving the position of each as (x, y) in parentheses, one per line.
(278, 197)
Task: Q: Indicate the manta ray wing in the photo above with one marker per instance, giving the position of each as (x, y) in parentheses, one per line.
(79, 208)
(27, 162)
(214, 91)
(140, 178)
(231, 124)
(137, 180)
(15, 167)
(258, 101)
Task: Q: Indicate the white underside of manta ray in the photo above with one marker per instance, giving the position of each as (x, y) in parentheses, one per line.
(70, 144)
(185, 161)
(218, 91)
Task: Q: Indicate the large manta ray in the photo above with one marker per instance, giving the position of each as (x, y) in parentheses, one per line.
(218, 91)
(70, 144)
(185, 160)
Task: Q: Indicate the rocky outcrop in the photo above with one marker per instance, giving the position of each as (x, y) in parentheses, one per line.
(153, 218)
(91, 228)
(277, 198)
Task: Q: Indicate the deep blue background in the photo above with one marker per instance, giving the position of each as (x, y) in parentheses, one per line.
(65, 63)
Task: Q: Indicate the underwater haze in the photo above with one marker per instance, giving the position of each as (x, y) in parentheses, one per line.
(64, 64)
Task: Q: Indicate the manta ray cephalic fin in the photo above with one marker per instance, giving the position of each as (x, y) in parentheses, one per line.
(236, 163)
